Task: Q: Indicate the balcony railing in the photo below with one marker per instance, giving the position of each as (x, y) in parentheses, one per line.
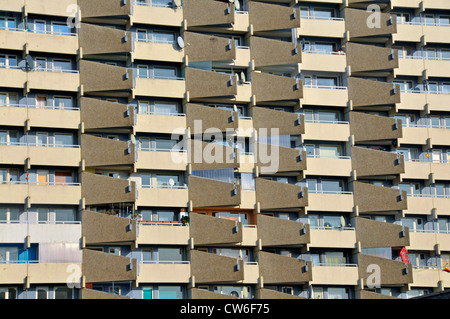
(40, 183)
(165, 186)
(324, 52)
(328, 87)
(327, 122)
(38, 31)
(56, 70)
(411, 57)
(333, 265)
(322, 156)
(40, 145)
(157, 77)
(149, 39)
(313, 17)
(159, 223)
(169, 262)
(34, 106)
(332, 228)
(152, 4)
(56, 222)
(154, 149)
(314, 191)
(439, 24)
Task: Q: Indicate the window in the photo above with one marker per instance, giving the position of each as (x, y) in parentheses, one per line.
(160, 72)
(64, 140)
(324, 47)
(43, 215)
(40, 26)
(41, 64)
(8, 293)
(403, 18)
(63, 293)
(62, 178)
(114, 251)
(323, 13)
(9, 137)
(310, 150)
(328, 116)
(42, 138)
(287, 290)
(304, 12)
(60, 28)
(444, 20)
(147, 254)
(146, 181)
(317, 292)
(329, 151)
(165, 144)
(332, 186)
(7, 23)
(337, 293)
(165, 108)
(170, 292)
(8, 61)
(61, 65)
(9, 254)
(64, 215)
(163, 37)
(141, 35)
(9, 176)
(429, 19)
(42, 292)
(147, 292)
(170, 254)
(433, 87)
(8, 215)
(142, 71)
(165, 215)
(167, 181)
(7, 99)
(431, 54)
(41, 101)
(115, 290)
(143, 107)
(63, 102)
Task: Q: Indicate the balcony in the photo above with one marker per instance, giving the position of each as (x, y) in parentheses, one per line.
(206, 155)
(420, 66)
(356, 24)
(211, 119)
(202, 84)
(100, 228)
(167, 87)
(147, 49)
(207, 230)
(212, 268)
(423, 101)
(283, 196)
(426, 204)
(278, 232)
(335, 275)
(45, 155)
(197, 293)
(162, 160)
(36, 273)
(320, 27)
(282, 159)
(381, 59)
(52, 79)
(49, 7)
(329, 202)
(332, 238)
(160, 123)
(366, 128)
(154, 233)
(113, 77)
(430, 278)
(17, 39)
(273, 294)
(415, 169)
(18, 115)
(268, 52)
(325, 96)
(392, 272)
(35, 194)
(95, 294)
(368, 163)
(284, 123)
(371, 198)
(105, 8)
(372, 234)
(165, 16)
(205, 192)
(339, 166)
(427, 240)
(208, 13)
(327, 131)
(420, 135)
(164, 272)
(163, 197)
(295, 271)
(208, 48)
(322, 61)
(364, 92)
(102, 267)
(104, 152)
(269, 17)
(98, 114)
(269, 88)
(414, 31)
(69, 232)
(98, 189)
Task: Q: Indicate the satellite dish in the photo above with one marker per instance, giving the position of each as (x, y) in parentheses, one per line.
(237, 5)
(243, 77)
(171, 182)
(180, 42)
(133, 139)
(29, 62)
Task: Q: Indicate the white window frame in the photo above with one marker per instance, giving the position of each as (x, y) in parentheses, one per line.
(46, 289)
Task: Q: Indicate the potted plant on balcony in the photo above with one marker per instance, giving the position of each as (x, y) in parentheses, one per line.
(185, 220)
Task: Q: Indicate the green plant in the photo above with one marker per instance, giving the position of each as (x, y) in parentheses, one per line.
(185, 220)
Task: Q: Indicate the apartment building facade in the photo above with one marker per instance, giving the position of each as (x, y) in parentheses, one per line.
(206, 149)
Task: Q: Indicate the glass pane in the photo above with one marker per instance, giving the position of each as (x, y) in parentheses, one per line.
(3, 212)
(167, 181)
(442, 225)
(12, 61)
(337, 293)
(440, 190)
(169, 216)
(39, 27)
(62, 65)
(13, 137)
(161, 3)
(331, 186)
(328, 116)
(64, 215)
(170, 254)
(41, 293)
(61, 29)
(142, 36)
(323, 13)
(144, 144)
(166, 108)
(445, 54)
(42, 215)
(161, 72)
(444, 20)
(142, 71)
(329, 151)
(332, 221)
(313, 220)
(326, 82)
(42, 139)
(64, 139)
(174, 292)
(312, 185)
(63, 102)
(14, 214)
(310, 150)
(144, 108)
(41, 64)
(405, 187)
(3, 99)
(63, 293)
(145, 181)
(147, 254)
(146, 215)
(165, 144)
(324, 47)
(3, 138)
(164, 37)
